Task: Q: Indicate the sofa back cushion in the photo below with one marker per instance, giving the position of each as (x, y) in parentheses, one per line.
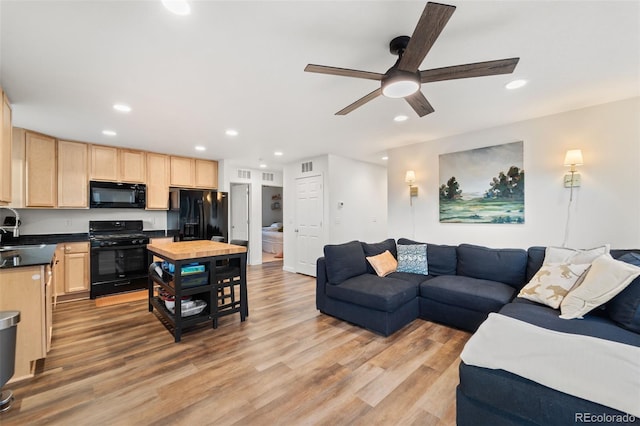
(625, 307)
(503, 265)
(344, 261)
(535, 259)
(374, 249)
(441, 259)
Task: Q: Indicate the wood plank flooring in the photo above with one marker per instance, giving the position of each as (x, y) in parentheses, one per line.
(286, 365)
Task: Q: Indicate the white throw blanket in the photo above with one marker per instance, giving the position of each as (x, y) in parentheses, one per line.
(594, 369)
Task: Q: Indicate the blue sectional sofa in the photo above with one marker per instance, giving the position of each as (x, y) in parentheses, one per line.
(464, 285)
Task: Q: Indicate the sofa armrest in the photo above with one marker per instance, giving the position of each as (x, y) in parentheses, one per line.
(321, 282)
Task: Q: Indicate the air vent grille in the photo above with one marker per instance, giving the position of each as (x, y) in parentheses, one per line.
(267, 177)
(307, 167)
(244, 174)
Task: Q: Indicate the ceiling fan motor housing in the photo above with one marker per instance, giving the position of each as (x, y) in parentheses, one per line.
(398, 45)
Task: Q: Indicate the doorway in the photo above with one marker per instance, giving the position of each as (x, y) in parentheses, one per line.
(239, 201)
(272, 224)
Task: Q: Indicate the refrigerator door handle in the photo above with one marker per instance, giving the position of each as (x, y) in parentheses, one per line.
(201, 220)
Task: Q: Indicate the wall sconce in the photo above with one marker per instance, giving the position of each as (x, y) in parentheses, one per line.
(572, 159)
(410, 178)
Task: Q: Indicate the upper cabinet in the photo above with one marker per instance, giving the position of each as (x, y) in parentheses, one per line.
(206, 174)
(40, 170)
(5, 150)
(182, 172)
(73, 174)
(157, 181)
(113, 164)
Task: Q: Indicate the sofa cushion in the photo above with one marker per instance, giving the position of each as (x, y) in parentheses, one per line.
(441, 259)
(503, 265)
(470, 293)
(408, 276)
(413, 258)
(344, 261)
(535, 259)
(606, 278)
(383, 263)
(374, 249)
(382, 294)
(625, 307)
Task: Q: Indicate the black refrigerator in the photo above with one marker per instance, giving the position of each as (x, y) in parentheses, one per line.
(198, 215)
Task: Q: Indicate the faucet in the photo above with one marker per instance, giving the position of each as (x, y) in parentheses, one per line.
(14, 228)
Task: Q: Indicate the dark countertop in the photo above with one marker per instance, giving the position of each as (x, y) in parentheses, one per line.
(64, 238)
(26, 255)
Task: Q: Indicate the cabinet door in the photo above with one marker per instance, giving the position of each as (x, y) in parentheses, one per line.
(40, 170)
(206, 175)
(73, 176)
(5, 151)
(58, 271)
(182, 172)
(157, 181)
(132, 166)
(76, 267)
(104, 163)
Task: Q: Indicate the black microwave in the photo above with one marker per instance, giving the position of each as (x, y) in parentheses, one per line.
(117, 195)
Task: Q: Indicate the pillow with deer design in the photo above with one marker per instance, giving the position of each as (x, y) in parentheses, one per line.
(552, 282)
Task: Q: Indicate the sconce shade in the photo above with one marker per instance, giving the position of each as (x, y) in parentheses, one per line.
(410, 177)
(573, 157)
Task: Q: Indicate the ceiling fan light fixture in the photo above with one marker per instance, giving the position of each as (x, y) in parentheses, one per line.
(400, 84)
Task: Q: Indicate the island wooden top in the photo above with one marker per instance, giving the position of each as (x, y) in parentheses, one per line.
(183, 250)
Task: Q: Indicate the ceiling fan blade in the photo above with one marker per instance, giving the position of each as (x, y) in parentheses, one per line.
(478, 69)
(344, 72)
(360, 102)
(420, 104)
(432, 21)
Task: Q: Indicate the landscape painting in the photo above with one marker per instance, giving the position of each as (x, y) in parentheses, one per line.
(483, 185)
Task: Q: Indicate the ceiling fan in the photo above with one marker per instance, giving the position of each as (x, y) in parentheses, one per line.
(403, 79)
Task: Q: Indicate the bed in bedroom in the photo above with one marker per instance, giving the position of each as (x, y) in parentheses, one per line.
(272, 238)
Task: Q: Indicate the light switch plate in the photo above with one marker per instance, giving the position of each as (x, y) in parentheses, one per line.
(576, 180)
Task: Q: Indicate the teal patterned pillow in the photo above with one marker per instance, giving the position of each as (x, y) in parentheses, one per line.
(413, 258)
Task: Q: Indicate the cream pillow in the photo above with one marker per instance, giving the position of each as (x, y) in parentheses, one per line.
(606, 278)
(552, 283)
(568, 255)
(383, 263)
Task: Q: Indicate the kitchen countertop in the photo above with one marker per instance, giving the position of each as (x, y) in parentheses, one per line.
(26, 255)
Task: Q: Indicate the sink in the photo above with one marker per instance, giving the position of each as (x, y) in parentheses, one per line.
(23, 247)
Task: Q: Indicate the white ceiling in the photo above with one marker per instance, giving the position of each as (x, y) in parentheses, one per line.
(239, 64)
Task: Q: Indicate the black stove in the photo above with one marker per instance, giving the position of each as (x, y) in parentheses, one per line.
(118, 256)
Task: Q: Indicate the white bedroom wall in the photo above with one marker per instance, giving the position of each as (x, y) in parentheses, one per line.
(605, 208)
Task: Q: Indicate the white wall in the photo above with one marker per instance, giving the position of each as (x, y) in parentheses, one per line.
(362, 187)
(605, 208)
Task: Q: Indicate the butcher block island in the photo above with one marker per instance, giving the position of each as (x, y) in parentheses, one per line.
(191, 282)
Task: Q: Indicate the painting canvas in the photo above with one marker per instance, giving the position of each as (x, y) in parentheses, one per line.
(484, 185)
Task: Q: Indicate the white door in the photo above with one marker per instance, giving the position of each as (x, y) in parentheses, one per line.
(308, 229)
(239, 199)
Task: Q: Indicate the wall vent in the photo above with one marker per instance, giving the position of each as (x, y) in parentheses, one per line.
(307, 167)
(267, 177)
(244, 174)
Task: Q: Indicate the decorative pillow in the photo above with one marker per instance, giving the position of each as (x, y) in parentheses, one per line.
(606, 278)
(413, 258)
(344, 261)
(442, 258)
(625, 307)
(383, 263)
(373, 249)
(552, 282)
(568, 255)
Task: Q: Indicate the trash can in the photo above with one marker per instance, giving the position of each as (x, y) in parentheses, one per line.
(8, 326)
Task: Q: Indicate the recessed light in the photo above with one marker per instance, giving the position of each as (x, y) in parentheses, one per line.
(400, 118)
(263, 166)
(515, 84)
(122, 107)
(278, 153)
(231, 132)
(200, 148)
(385, 158)
(179, 7)
(109, 133)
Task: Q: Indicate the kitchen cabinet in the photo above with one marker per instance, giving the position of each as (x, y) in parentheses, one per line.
(40, 170)
(71, 270)
(73, 174)
(6, 142)
(182, 172)
(132, 166)
(24, 289)
(206, 174)
(157, 181)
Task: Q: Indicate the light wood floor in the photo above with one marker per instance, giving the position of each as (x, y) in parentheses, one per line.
(287, 364)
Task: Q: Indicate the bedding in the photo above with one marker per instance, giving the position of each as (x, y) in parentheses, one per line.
(272, 238)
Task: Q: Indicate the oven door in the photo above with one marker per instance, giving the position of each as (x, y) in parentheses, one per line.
(118, 269)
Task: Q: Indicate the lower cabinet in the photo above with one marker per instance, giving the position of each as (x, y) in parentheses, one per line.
(71, 270)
